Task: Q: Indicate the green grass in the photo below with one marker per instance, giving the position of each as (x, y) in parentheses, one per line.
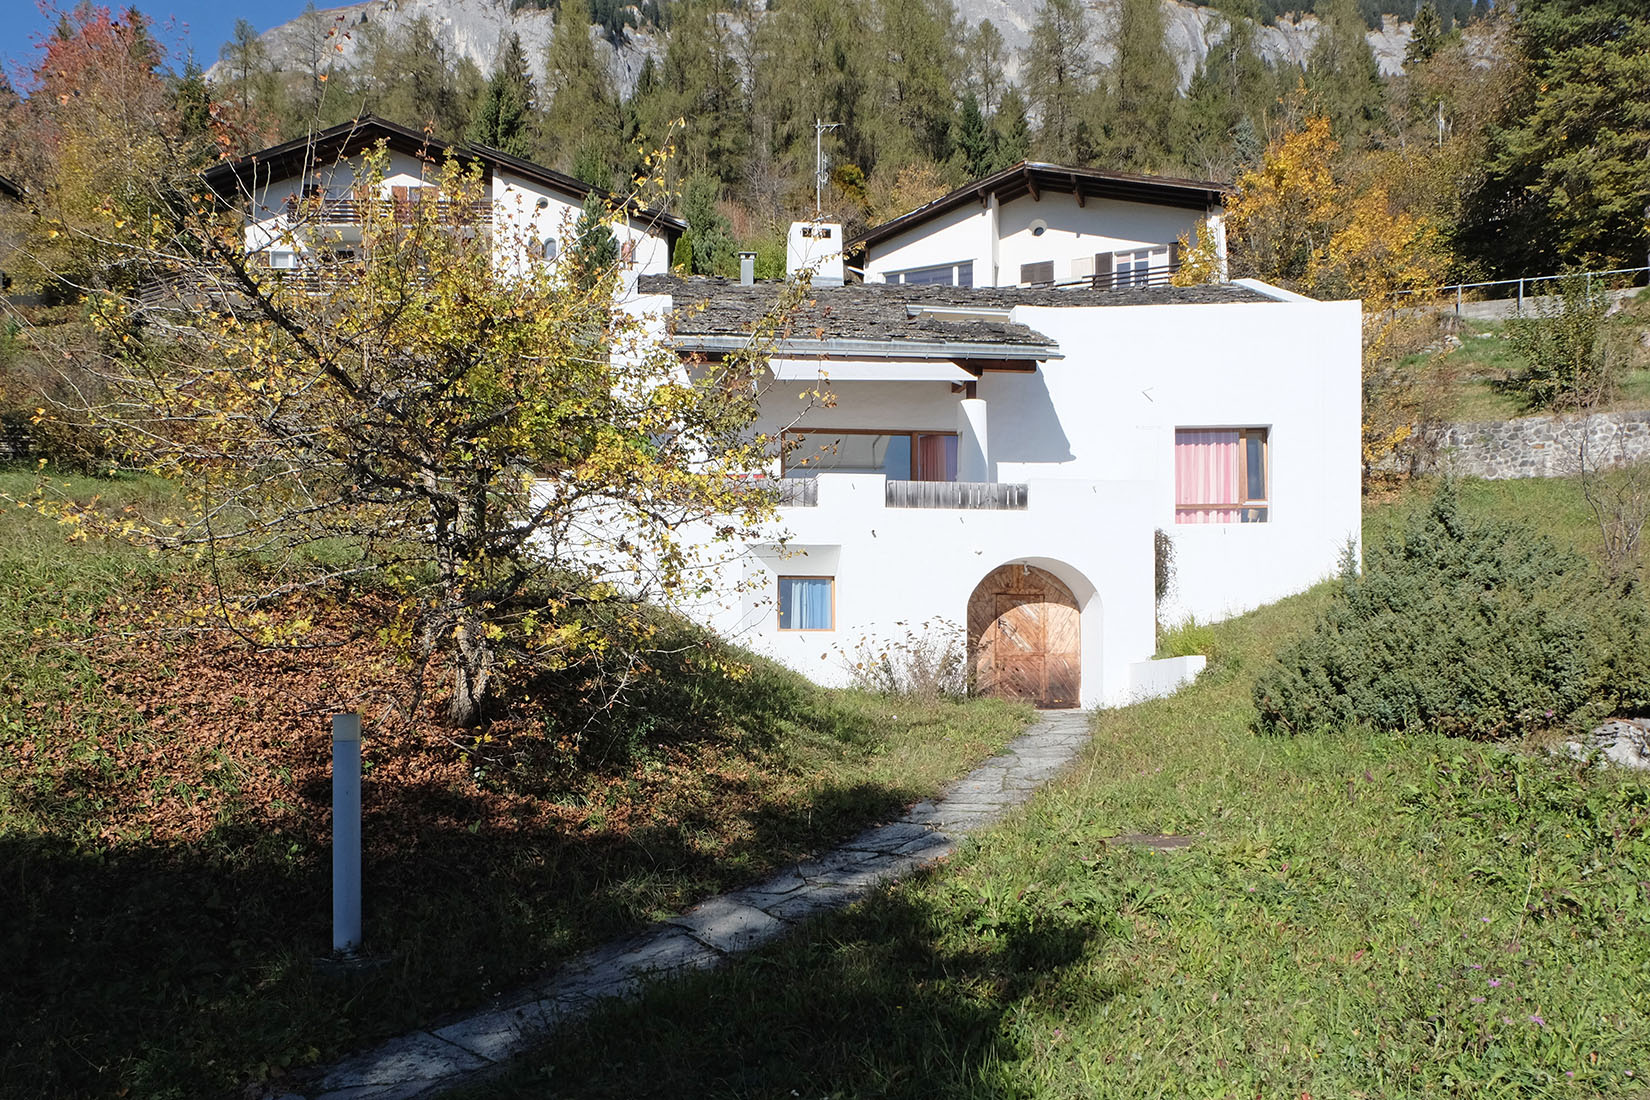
(1486, 358)
(166, 890)
(1360, 916)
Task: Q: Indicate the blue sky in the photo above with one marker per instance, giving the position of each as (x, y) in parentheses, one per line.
(202, 25)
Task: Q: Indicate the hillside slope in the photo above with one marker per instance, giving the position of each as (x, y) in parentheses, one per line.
(474, 29)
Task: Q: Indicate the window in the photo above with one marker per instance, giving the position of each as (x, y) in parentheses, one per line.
(550, 249)
(1135, 266)
(1037, 273)
(807, 603)
(1221, 475)
(899, 456)
(944, 275)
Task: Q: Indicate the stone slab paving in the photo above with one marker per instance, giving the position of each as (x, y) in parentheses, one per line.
(447, 1055)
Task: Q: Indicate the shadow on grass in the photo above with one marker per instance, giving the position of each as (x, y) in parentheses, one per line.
(878, 1001)
(172, 971)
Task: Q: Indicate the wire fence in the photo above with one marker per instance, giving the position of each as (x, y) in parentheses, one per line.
(1519, 292)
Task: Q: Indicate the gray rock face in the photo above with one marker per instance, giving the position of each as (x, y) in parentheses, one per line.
(1623, 741)
(475, 28)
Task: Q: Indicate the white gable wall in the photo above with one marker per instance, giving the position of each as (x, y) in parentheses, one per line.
(998, 239)
(519, 219)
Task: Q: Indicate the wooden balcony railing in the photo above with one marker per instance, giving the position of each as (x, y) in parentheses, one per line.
(354, 211)
(996, 495)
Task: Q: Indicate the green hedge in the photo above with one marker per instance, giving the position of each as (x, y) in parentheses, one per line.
(1472, 627)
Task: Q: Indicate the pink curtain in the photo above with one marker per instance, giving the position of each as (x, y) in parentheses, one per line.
(1206, 476)
(936, 458)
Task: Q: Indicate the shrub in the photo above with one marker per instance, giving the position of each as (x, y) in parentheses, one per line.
(927, 661)
(1568, 367)
(1474, 628)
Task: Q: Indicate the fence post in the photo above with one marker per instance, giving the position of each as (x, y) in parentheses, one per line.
(1521, 296)
(1457, 301)
(346, 833)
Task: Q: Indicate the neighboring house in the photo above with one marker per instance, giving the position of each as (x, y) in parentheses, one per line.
(1001, 458)
(303, 199)
(1043, 224)
(11, 194)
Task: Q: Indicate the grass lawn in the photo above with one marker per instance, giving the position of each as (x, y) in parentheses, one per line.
(164, 860)
(1486, 358)
(1360, 916)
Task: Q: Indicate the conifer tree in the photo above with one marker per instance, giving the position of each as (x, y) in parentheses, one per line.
(1341, 72)
(913, 80)
(986, 66)
(973, 138)
(504, 116)
(1142, 112)
(1426, 34)
(1059, 77)
(709, 237)
(583, 121)
(1010, 131)
(595, 251)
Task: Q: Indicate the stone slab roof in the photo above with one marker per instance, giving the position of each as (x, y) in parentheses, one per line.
(883, 311)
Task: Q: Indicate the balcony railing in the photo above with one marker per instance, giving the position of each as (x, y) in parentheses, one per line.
(1119, 280)
(995, 495)
(354, 211)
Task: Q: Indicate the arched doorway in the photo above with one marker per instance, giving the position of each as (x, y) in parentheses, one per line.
(1024, 637)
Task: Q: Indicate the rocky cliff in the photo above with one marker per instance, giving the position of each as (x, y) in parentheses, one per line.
(474, 29)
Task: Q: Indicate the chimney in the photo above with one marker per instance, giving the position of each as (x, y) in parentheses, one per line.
(747, 268)
(815, 247)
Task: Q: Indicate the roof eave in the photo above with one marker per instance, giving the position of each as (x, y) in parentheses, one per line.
(886, 349)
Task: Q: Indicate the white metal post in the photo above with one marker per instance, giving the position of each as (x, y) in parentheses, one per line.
(346, 833)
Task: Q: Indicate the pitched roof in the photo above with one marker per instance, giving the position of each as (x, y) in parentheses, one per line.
(351, 138)
(899, 317)
(1033, 178)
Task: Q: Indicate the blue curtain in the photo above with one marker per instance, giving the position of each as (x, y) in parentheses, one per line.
(805, 603)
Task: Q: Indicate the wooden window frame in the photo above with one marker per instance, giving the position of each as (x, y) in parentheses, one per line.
(910, 433)
(779, 611)
(1247, 504)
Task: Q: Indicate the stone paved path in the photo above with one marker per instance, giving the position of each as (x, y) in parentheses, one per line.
(427, 1062)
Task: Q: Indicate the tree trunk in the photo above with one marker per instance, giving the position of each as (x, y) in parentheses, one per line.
(473, 672)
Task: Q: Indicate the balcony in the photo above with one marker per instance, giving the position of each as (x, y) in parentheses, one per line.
(998, 496)
(355, 211)
(994, 495)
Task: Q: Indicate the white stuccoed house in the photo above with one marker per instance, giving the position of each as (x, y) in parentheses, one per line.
(303, 199)
(1003, 443)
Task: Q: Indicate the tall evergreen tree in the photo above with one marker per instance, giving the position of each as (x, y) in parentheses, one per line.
(697, 84)
(1141, 113)
(1569, 179)
(1010, 131)
(912, 81)
(594, 253)
(1227, 100)
(709, 237)
(504, 115)
(1341, 72)
(1058, 74)
(973, 138)
(986, 65)
(583, 120)
(1425, 36)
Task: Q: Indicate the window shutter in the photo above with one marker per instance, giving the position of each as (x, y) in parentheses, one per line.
(1042, 272)
(1174, 255)
(1102, 271)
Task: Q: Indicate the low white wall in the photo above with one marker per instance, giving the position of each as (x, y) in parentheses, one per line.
(1164, 676)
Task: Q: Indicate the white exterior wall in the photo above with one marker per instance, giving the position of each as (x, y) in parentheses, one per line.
(517, 215)
(518, 218)
(999, 239)
(1092, 435)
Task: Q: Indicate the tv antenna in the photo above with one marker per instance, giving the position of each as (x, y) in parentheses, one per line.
(820, 127)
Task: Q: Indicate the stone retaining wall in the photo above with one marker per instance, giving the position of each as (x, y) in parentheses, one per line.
(1539, 446)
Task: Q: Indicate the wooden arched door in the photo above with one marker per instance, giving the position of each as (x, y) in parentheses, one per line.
(1024, 637)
